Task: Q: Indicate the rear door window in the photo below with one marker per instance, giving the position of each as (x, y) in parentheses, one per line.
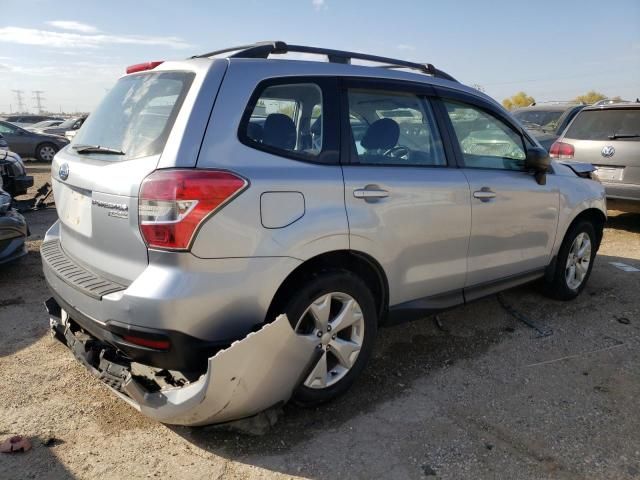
(137, 115)
(621, 124)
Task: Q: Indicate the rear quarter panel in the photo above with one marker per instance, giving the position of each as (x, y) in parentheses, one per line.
(237, 230)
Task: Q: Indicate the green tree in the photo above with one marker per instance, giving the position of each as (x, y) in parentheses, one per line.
(590, 97)
(518, 100)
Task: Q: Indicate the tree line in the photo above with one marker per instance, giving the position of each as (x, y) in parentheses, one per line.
(521, 99)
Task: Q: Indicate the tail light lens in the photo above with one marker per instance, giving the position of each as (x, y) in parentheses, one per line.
(141, 67)
(561, 150)
(174, 203)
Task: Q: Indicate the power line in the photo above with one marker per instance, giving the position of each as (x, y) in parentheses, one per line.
(37, 96)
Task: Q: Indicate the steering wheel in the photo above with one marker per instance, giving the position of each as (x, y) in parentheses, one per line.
(398, 151)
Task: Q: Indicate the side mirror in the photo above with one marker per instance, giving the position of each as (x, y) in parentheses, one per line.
(538, 161)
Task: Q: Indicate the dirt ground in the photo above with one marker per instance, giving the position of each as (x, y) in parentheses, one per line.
(482, 397)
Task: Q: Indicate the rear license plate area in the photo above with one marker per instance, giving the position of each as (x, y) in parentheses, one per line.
(609, 174)
(74, 209)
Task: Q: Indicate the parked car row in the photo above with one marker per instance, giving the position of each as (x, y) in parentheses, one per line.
(40, 137)
(42, 146)
(28, 120)
(13, 227)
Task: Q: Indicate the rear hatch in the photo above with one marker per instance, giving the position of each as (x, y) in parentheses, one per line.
(610, 139)
(96, 179)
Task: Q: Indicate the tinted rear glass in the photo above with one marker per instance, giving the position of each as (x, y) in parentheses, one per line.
(542, 118)
(137, 115)
(605, 124)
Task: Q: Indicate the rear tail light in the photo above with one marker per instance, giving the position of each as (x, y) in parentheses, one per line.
(174, 203)
(561, 150)
(141, 67)
(156, 344)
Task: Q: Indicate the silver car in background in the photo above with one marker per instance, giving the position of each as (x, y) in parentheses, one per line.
(608, 136)
(205, 198)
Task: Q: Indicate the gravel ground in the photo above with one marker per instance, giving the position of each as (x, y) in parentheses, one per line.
(481, 397)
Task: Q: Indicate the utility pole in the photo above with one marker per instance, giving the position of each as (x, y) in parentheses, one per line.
(19, 93)
(37, 96)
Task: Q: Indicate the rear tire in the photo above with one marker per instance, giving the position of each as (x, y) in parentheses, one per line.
(46, 151)
(336, 309)
(573, 263)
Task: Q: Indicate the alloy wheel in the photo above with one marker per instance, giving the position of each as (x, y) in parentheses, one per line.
(578, 261)
(47, 153)
(335, 324)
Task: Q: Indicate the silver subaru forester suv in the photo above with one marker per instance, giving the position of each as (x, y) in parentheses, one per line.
(206, 200)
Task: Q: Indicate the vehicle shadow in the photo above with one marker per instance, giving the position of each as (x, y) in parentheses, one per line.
(406, 354)
(403, 354)
(39, 462)
(624, 221)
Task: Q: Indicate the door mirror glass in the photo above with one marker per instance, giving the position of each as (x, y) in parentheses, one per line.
(538, 161)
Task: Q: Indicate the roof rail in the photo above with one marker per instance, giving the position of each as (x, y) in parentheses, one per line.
(264, 49)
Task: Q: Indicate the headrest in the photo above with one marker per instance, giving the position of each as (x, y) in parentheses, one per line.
(279, 131)
(382, 134)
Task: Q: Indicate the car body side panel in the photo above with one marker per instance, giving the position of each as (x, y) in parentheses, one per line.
(513, 232)
(576, 195)
(183, 144)
(419, 234)
(237, 229)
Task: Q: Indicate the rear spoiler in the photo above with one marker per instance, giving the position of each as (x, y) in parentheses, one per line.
(582, 169)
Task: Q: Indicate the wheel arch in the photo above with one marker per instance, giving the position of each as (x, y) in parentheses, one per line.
(594, 215)
(359, 263)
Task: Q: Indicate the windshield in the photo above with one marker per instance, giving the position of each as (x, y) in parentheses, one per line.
(68, 123)
(137, 115)
(543, 118)
(46, 123)
(606, 125)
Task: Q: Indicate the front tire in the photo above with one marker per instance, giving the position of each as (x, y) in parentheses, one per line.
(46, 151)
(336, 310)
(574, 263)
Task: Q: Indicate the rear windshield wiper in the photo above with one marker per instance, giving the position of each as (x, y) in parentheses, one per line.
(624, 135)
(96, 149)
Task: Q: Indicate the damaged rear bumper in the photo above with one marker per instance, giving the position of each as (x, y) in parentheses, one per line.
(253, 374)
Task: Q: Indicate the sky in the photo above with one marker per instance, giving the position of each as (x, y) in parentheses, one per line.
(73, 51)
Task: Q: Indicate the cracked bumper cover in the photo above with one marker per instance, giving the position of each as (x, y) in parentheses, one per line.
(253, 374)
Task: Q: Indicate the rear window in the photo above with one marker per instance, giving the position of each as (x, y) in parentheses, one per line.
(286, 120)
(539, 118)
(611, 124)
(137, 115)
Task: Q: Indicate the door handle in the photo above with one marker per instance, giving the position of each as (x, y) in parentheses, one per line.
(484, 194)
(370, 193)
